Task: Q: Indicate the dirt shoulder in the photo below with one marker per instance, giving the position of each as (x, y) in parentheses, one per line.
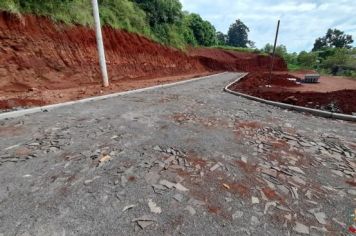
(327, 95)
(30, 97)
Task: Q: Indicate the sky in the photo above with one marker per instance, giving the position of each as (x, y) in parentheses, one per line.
(301, 21)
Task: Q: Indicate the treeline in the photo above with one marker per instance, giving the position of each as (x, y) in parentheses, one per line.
(331, 54)
(160, 20)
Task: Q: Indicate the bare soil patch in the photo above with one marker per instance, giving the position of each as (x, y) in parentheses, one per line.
(324, 95)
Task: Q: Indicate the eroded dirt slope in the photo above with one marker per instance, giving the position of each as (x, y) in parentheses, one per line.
(218, 59)
(44, 62)
(37, 54)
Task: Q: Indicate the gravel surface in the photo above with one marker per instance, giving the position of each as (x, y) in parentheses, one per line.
(184, 160)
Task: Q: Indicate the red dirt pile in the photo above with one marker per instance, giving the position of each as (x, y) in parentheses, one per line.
(280, 89)
(44, 62)
(218, 59)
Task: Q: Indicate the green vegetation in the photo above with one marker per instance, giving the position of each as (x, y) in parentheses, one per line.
(331, 54)
(203, 31)
(240, 49)
(334, 38)
(237, 35)
(161, 20)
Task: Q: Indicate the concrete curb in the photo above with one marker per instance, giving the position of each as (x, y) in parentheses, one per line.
(14, 114)
(316, 112)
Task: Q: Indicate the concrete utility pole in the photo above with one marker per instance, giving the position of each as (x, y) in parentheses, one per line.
(99, 40)
(274, 50)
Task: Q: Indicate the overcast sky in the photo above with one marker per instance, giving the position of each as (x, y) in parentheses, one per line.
(301, 21)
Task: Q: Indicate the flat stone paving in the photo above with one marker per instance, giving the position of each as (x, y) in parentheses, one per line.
(184, 160)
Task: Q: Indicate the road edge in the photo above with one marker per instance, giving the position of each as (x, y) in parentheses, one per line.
(19, 113)
(316, 112)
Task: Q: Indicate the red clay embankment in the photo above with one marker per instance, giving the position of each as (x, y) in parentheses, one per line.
(219, 59)
(43, 62)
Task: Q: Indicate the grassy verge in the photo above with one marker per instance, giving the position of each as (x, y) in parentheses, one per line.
(237, 49)
(293, 67)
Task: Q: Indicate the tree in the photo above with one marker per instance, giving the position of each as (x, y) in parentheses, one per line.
(204, 32)
(161, 11)
(221, 38)
(268, 48)
(281, 50)
(252, 44)
(342, 60)
(334, 38)
(307, 60)
(238, 34)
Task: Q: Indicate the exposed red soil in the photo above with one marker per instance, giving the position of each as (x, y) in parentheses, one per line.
(280, 89)
(44, 62)
(218, 59)
(327, 84)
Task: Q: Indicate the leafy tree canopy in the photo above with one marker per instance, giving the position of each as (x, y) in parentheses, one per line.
(238, 34)
(161, 11)
(334, 38)
(281, 50)
(221, 38)
(204, 32)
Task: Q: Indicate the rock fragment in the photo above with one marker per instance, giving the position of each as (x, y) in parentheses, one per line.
(153, 207)
(180, 187)
(167, 184)
(268, 205)
(255, 200)
(296, 169)
(237, 215)
(191, 210)
(128, 207)
(300, 228)
(157, 148)
(216, 166)
(170, 185)
(352, 192)
(320, 217)
(144, 221)
(152, 177)
(298, 180)
(254, 220)
(104, 159)
(294, 192)
(178, 197)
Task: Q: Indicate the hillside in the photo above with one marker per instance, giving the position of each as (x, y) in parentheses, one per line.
(45, 62)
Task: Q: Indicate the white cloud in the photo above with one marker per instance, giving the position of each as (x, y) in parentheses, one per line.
(302, 21)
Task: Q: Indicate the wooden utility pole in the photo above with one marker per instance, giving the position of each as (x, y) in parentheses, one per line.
(100, 44)
(274, 50)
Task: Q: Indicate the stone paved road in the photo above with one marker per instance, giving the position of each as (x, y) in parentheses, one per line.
(184, 160)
